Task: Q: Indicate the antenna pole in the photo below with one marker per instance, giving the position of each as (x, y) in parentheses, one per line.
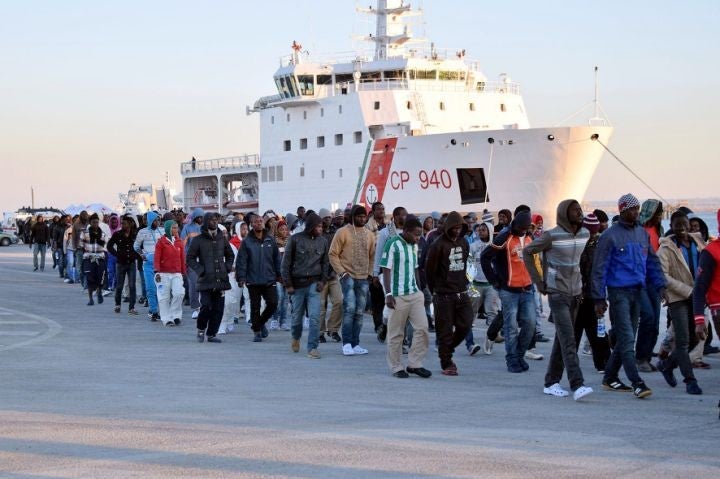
(597, 94)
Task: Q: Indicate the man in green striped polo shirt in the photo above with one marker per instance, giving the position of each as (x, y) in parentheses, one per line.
(399, 265)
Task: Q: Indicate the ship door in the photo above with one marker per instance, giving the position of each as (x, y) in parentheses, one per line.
(473, 186)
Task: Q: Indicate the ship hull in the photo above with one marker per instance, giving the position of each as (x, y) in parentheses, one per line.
(461, 171)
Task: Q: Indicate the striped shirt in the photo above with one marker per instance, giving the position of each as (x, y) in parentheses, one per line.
(401, 259)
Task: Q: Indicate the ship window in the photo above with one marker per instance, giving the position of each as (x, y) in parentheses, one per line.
(279, 173)
(442, 105)
(304, 115)
(271, 173)
(263, 174)
(322, 112)
(340, 109)
(302, 171)
(287, 117)
(322, 174)
(343, 78)
(324, 79)
(340, 173)
(409, 105)
(303, 143)
(307, 84)
(449, 75)
(376, 105)
(423, 74)
(321, 142)
(369, 76)
(339, 139)
(472, 185)
(357, 137)
(394, 75)
(472, 106)
(292, 85)
(286, 145)
(283, 87)
(502, 107)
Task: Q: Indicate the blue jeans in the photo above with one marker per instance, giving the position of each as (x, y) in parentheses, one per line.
(70, 266)
(649, 327)
(39, 248)
(355, 293)
(518, 311)
(149, 274)
(624, 313)
(280, 314)
(308, 297)
(111, 275)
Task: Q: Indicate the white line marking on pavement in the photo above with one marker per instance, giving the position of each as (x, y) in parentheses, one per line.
(19, 333)
(53, 329)
(3, 321)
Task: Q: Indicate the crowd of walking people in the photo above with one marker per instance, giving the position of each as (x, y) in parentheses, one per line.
(418, 275)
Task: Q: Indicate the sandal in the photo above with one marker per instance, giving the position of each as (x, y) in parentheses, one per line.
(450, 370)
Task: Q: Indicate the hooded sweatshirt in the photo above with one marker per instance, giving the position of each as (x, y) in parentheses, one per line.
(169, 253)
(447, 259)
(148, 237)
(306, 258)
(211, 257)
(678, 275)
(647, 212)
(192, 229)
(562, 247)
(353, 249)
(503, 263)
(476, 250)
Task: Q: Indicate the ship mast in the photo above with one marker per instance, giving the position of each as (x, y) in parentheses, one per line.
(392, 33)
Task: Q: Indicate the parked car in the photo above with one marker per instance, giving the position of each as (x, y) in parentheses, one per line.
(6, 239)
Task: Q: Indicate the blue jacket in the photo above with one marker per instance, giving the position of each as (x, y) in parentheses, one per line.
(624, 259)
(258, 261)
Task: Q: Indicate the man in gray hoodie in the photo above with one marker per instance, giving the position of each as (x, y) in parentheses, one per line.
(561, 280)
(144, 246)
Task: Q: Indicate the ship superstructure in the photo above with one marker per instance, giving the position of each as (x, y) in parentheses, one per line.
(408, 125)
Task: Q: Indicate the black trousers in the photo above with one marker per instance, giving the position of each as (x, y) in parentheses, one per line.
(212, 305)
(268, 292)
(453, 320)
(123, 271)
(377, 302)
(586, 320)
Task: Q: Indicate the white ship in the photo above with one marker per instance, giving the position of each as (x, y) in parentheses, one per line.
(143, 198)
(406, 125)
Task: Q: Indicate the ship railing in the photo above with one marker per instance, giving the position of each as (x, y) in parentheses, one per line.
(439, 86)
(365, 55)
(233, 162)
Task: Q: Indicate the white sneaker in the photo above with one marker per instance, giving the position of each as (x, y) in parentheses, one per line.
(230, 328)
(274, 324)
(66, 280)
(581, 392)
(488, 346)
(557, 391)
(358, 350)
(222, 330)
(586, 349)
(108, 292)
(348, 350)
(530, 354)
(195, 314)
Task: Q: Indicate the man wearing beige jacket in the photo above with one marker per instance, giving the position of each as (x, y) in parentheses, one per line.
(351, 256)
(678, 255)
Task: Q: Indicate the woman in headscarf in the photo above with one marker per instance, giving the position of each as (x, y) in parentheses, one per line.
(280, 316)
(92, 242)
(115, 226)
(169, 266)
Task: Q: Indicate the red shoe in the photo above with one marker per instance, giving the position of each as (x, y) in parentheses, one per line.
(450, 370)
(701, 365)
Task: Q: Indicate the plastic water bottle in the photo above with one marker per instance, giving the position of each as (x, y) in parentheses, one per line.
(601, 327)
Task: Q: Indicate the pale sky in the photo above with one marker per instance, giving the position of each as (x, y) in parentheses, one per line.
(96, 95)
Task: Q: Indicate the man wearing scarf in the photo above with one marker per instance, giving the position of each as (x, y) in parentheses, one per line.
(169, 265)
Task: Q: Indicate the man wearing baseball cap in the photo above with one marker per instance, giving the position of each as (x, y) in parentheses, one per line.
(624, 263)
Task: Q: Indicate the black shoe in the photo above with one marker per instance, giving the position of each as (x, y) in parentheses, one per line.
(258, 338)
(711, 350)
(264, 332)
(539, 338)
(381, 333)
(336, 337)
(213, 339)
(692, 387)
(523, 364)
(100, 298)
(422, 372)
(321, 338)
(35, 269)
(201, 336)
(401, 374)
(640, 390)
(91, 303)
(667, 372)
(154, 317)
(177, 321)
(616, 385)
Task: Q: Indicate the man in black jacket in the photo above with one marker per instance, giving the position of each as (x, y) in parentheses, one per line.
(446, 275)
(211, 257)
(121, 247)
(40, 237)
(258, 267)
(305, 269)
